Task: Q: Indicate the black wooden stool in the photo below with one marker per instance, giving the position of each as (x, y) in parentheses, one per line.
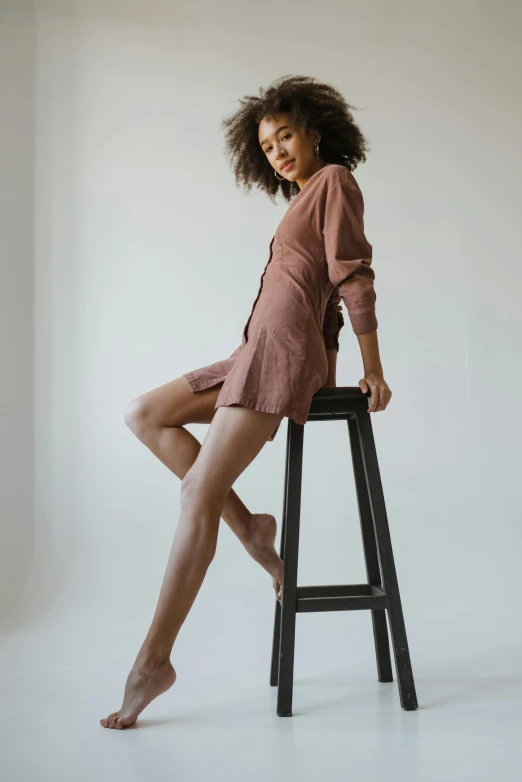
(382, 590)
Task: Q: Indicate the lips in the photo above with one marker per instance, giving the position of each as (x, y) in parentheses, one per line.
(287, 165)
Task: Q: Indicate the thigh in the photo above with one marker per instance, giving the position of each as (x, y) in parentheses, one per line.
(234, 438)
(174, 404)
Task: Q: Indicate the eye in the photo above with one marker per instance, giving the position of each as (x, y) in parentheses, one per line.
(287, 135)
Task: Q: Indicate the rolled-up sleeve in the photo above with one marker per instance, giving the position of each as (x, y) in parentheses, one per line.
(349, 254)
(333, 321)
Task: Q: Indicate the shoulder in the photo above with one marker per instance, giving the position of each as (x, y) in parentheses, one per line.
(343, 194)
(337, 174)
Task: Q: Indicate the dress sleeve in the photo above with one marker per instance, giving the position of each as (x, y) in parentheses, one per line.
(236, 351)
(333, 321)
(349, 254)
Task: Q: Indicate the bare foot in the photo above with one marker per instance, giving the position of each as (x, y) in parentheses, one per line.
(260, 546)
(145, 682)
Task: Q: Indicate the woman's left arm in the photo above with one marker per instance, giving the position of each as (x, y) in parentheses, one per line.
(373, 380)
(349, 258)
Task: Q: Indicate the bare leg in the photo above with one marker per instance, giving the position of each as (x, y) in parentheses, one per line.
(234, 438)
(156, 417)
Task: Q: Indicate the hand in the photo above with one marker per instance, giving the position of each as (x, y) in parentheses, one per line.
(337, 301)
(380, 392)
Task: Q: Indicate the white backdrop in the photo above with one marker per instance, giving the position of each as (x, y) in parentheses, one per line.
(129, 257)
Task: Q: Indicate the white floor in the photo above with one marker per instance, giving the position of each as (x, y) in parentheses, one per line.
(219, 721)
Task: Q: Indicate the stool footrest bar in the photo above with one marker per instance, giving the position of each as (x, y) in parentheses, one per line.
(349, 597)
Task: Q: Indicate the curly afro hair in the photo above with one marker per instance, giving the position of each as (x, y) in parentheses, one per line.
(311, 105)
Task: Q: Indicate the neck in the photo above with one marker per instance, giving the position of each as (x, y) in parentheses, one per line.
(318, 164)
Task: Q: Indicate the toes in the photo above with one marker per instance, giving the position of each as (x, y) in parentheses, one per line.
(106, 721)
(113, 721)
(114, 718)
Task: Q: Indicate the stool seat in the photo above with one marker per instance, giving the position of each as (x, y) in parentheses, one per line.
(380, 594)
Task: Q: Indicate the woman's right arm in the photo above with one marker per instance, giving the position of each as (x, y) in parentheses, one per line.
(333, 321)
(332, 324)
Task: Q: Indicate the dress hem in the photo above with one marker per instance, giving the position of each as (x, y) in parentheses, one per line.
(254, 405)
(199, 385)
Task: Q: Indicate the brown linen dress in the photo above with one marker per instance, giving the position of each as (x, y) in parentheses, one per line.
(318, 255)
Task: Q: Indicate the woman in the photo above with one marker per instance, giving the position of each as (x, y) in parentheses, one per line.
(298, 139)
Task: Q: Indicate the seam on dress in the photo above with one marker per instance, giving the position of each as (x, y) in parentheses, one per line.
(254, 405)
(202, 386)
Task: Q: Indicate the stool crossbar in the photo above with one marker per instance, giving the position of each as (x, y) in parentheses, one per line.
(381, 593)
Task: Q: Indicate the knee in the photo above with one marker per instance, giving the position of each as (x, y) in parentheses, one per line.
(138, 415)
(201, 511)
(190, 489)
(200, 495)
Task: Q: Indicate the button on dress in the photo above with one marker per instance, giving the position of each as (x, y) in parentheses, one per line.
(318, 255)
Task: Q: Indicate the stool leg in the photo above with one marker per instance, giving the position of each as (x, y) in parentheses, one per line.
(276, 640)
(401, 653)
(380, 631)
(289, 554)
(274, 667)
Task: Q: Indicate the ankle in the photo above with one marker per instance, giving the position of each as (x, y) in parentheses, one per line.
(152, 659)
(248, 529)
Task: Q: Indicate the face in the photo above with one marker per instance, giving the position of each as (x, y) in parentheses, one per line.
(282, 143)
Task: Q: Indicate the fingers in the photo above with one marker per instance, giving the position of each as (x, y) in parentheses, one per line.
(379, 399)
(374, 400)
(380, 395)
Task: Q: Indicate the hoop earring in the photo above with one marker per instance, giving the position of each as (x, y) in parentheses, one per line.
(316, 148)
(278, 177)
